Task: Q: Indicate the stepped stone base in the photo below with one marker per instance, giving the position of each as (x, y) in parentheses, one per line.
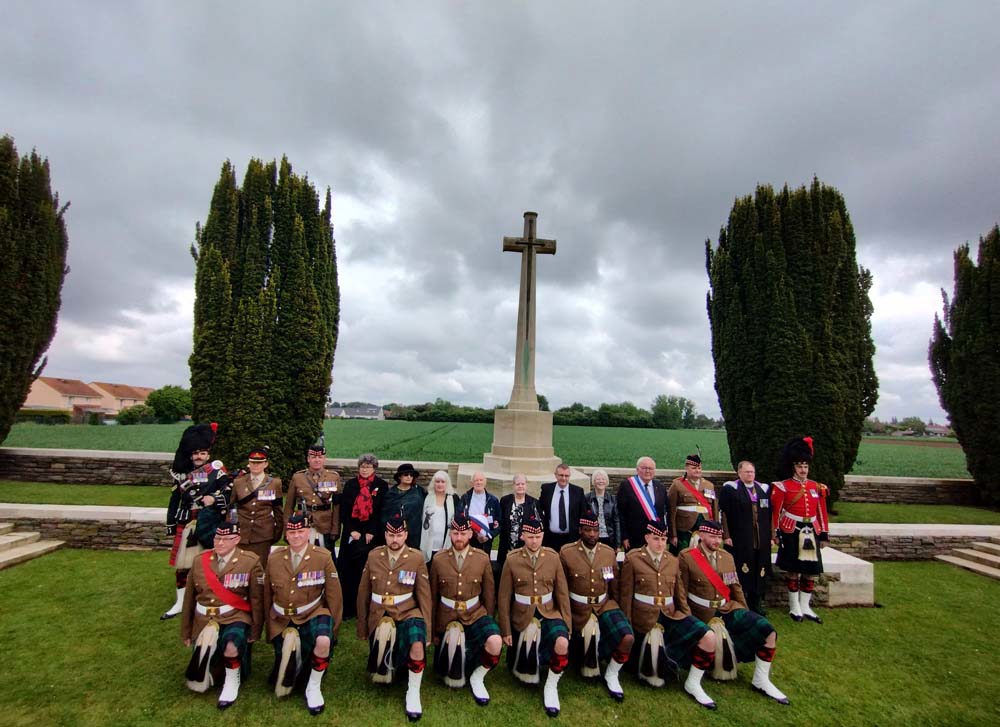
(20, 547)
(981, 557)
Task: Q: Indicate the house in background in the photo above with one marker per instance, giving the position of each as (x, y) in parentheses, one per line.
(355, 412)
(115, 397)
(939, 430)
(73, 395)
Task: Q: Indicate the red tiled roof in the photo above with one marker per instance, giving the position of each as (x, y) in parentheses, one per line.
(122, 391)
(69, 387)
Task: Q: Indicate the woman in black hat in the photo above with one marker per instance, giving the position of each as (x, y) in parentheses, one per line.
(407, 498)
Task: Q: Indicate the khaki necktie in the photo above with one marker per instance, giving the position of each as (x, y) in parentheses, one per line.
(220, 564)
(459, 561)
(590, 555)
(656, 562)
(296, 560)
(534, 561)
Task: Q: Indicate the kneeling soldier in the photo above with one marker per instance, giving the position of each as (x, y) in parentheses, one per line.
(464, 596)
(653, 599)
(712, 588)
(533, 606)
(223, 604)
(305, 605)
(394, 611)
(602, 628)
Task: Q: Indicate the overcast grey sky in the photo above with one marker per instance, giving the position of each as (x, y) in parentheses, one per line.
(629, 127)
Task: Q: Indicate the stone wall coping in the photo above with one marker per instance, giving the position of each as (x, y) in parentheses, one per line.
(891, 530)
(89, 453)
(9, 510)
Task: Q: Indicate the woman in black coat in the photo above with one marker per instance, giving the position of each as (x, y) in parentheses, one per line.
(360, 515)
(514, 508)
(604, 503)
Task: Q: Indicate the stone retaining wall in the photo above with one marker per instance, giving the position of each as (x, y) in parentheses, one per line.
(151, 468)
(899, 547)
(99, 534)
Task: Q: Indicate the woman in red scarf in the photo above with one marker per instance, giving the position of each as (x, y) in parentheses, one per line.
(360, 511)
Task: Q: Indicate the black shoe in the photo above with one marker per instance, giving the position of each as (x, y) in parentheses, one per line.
(617, 696)
(414, 716)
(815, 619)
(551, 712)
(481, 702)
(224, 705)
(167, 615)
(796, 619)
(316, 711)
(761, 691)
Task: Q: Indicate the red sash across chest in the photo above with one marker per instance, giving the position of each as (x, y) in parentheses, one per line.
(713, 577)
(697, 494)
(221, 592)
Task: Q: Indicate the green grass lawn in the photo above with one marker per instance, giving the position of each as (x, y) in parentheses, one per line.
(871, 512)
(84, 647)
(433, 441)
(46, 493)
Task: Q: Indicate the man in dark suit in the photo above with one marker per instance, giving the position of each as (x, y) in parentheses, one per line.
(561, 505)
(641, 498)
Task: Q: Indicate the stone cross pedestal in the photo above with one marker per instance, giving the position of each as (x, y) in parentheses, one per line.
(522, 434)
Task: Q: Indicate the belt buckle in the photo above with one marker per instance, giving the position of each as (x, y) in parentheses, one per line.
(290, 610)
(460, 605)
(211, 610)
(715, 602)
(593, 599)
(659, 600)
(535, 599)
(388, 600)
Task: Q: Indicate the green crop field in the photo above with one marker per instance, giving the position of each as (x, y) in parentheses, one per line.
(83, 646)
(449, 442)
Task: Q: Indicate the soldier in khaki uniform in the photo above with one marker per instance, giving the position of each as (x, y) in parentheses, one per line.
(711, 587)
(257, 497)
(652, 597)
(464, 599)
(395, 611)
(533, 606)
(223, 604)
(304, 608)
(316, 490)
(592, 577)
(692, 498)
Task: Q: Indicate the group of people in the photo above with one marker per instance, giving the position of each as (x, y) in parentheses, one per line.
(415, 570)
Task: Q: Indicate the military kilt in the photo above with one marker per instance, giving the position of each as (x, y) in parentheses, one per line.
(679, 638)
(614, 627)
(552, 629)
(239, 634)
(748, 630)
(788, 554)
(476, 634)
(409, 632)
(185, 547)
(308, 633)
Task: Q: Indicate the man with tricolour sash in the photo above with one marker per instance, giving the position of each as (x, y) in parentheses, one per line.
(801, 526)
(223, 613)
(304, 609)
(533, 612)
(667, 635)
(691, 499)
(601, 630)
(199, 502)
(711, 587)
(462, 590)
(395, 612)
(641, 498)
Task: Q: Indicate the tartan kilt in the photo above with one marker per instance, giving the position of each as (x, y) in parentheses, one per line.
(614, 627)
(552, 629)
(748, 630)
(238, 633)
(679, 637)
(788, 554)
(408, 632)
(182, 556)
(476, 634)
(308, 633)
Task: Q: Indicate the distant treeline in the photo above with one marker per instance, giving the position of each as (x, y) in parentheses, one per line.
(666, 412)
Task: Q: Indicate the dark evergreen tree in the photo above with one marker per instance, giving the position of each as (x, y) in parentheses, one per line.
(266, 313)
(791, 329)
(33, 244)
(965, 361)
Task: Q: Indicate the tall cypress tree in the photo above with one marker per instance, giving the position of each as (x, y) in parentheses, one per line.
(33, 244)
(266, 313)
(964, 357)
(791, 329)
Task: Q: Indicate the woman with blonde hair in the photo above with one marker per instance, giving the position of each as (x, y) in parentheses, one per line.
(440, 507)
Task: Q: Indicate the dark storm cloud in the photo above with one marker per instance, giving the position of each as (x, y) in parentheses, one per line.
(629, 127)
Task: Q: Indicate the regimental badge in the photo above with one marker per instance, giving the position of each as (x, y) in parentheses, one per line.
(745, 568)
(217, 464)
(608, 573)
(407, 577)
(236, 580)
(730, 578)
(266, 495)
(310, 578)
(764, 502)
(327, 486)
